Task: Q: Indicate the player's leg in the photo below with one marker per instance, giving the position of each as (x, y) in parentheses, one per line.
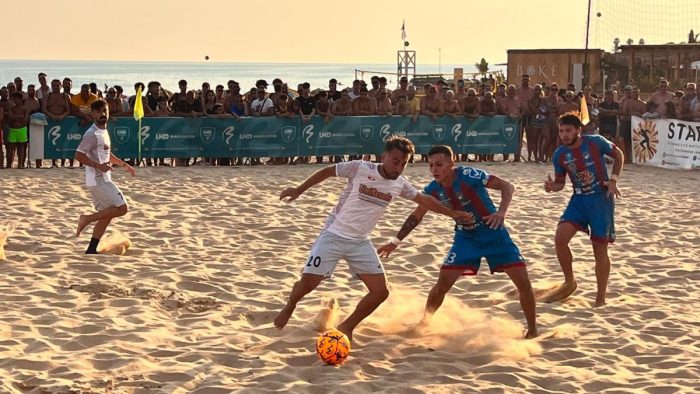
(378, 292)
(109, 202)
(323, 258)
(518, 274)
(602, 218)
(565, 231)
(446, 280)
(306, 284)
(365, 264)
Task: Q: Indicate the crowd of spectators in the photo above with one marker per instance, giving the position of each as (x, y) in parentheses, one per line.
(537, 107)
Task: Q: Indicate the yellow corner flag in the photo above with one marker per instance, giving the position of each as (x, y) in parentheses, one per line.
(138, 114)
(138, 105)
(584, 111)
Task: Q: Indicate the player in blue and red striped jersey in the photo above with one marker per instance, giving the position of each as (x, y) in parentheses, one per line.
(592, 206)
(483, 235)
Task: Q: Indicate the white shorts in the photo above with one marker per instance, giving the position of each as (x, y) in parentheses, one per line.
(329, 248)
(106, 195)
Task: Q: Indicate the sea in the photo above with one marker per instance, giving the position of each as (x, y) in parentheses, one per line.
(127, 73)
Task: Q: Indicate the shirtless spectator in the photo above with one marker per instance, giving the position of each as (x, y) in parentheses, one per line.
(80, 105)
(431, 105)
(364, 105)
(5, 107)
(282, 108)
(487, 105)
(124, 100)
(31, 103)
(451, 105)
(401, 91)
(374, 81)
(470, 105)
(323, 106)
(220, 95)
(56, 107)
(461, 93)
(114, 103)
(67, 85)
(19, 86)
(634, 106)
(17, 137)
(276, 90)
(383, 107)
(401, 107)
(163, 109)
(178, 100)
(661, 97)
(44, 88)
(512, 106)
(382, 85)
(569, 104)
(343, 107)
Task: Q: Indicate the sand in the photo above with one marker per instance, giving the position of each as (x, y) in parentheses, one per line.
(188, 308)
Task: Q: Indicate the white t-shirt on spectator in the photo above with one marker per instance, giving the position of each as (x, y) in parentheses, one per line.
(265, 103)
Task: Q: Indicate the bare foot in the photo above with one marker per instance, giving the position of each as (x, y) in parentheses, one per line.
(561, 293)
(82, 222)
(531, 333)
(283, 317)
(345, 331)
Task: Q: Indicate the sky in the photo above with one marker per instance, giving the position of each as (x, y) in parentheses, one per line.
(302, 31)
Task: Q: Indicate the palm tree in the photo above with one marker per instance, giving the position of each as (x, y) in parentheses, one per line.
(482, 66)
(692, 37)
(630, 41)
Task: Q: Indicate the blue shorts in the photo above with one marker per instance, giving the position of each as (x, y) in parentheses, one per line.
(592, 214)
(470, 246)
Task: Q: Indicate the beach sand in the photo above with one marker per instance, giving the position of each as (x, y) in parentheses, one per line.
(189, 307)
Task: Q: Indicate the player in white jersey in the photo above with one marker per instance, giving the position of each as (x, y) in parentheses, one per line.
(370, 189)
(95, 153)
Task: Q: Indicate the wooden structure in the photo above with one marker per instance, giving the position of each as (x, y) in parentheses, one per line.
(556, 65)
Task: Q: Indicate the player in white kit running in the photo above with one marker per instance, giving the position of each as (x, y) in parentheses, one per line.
(370, 189)
(95, 153)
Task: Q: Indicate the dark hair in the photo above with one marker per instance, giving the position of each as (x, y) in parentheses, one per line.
(98, 105)
(15, 95)
(571, 119)
(137, 84)
(441, 149)
(403, 144)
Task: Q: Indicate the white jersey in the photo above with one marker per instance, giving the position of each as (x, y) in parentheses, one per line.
(365, 198)
(97, 146)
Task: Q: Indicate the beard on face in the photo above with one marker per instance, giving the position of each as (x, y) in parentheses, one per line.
(573, 141)
(102, 120)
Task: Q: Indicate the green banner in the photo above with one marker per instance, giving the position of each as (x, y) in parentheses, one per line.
(274, 137)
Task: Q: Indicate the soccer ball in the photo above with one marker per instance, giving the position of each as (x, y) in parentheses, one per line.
(333, 347)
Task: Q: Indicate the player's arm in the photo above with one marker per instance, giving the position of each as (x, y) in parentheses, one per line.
(316, 178)
(507, 190)
(430, 203)
(86, 161)
(121, 163)
(554, 185)
(411, 222)
(618, 161)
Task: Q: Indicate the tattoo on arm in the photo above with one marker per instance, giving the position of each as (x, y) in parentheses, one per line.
(410, 223)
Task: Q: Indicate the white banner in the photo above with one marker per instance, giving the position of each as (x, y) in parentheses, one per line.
(667, 143)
